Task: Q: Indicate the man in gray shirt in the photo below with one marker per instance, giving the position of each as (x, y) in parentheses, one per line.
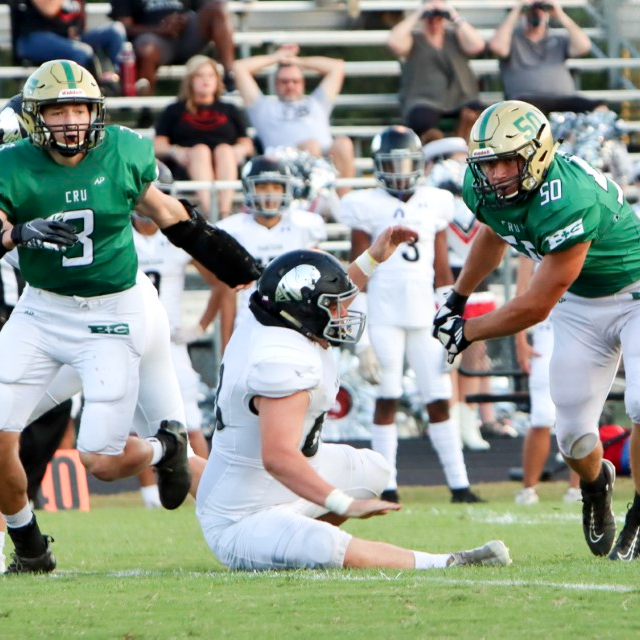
(532, 60)
(291, 118)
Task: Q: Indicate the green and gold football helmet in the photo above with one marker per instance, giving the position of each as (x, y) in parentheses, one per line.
(62, 82)
(510, 129)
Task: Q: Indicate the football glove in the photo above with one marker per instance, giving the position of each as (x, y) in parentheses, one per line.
(454, 305)
(451, 335)
(368, 365)
(44, 234)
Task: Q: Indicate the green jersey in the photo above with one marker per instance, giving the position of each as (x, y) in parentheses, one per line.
(576, 203)
(96, 197)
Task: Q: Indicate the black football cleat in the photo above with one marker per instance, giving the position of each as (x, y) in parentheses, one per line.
(627, 547)
(390, 495)
(44, 563)
(598, 522)
(174, 477)
(465, 495)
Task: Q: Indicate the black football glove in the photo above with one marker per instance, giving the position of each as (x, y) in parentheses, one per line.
(44, 234)
(454, 305)
(451, 335)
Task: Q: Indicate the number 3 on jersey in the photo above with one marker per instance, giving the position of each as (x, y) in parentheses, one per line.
(84, 232)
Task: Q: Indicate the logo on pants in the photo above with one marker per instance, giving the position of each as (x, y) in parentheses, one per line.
(110, 329)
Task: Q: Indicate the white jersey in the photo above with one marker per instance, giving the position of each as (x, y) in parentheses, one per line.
(401, 289)
(297, 229)
(272, 362)
(460, 233)
(164, 264)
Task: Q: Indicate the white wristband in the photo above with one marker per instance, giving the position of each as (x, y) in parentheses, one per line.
(338, 502)
(366, 263)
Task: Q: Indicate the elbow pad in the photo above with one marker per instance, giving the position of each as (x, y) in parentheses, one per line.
(213, 248)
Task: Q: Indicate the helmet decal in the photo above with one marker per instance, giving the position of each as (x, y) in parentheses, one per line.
(298, 283)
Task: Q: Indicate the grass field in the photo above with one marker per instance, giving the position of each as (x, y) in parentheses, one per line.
(128, 573)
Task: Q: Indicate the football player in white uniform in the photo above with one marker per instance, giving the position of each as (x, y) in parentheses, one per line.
(269, 228)
(272, 493)
(401, 301)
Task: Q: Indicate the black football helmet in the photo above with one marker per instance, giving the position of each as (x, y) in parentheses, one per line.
(398, 162)
(310, 291)
(266, 170)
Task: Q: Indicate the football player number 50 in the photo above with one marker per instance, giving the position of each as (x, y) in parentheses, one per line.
(84, 240)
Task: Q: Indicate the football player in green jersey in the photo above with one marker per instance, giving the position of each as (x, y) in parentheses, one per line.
(576, 223)
(66, 198)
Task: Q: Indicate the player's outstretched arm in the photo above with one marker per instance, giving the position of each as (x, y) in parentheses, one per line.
(382, 248)
(186, 228)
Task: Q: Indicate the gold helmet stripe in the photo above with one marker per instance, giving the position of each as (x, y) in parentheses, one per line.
(483, 125)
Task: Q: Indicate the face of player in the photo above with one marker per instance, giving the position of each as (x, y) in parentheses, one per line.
(504, 173)
(290, 83)
(269, 196)
(68, 122)
(204, 84)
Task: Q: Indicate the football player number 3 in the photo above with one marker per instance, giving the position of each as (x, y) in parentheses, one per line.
(84, 238)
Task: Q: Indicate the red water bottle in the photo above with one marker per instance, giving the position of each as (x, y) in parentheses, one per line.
(127, 62)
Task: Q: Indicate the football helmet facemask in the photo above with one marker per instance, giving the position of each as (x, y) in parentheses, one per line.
(510, 129)
(63, 82)
(398, 162)
(310, 291)
(265, 170)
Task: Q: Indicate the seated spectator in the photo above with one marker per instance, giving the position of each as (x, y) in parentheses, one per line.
(436, 79)
(291, 118)
(55, 29)
(532, 60)
(168, 33)
(202, 135)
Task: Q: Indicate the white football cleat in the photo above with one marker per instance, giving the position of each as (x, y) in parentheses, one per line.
(491, 554)
(528, 495)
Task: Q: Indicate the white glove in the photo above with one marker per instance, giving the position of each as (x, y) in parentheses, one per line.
(368, 365)
(187, 335)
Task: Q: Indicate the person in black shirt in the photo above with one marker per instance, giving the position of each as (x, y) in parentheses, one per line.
(205, 137)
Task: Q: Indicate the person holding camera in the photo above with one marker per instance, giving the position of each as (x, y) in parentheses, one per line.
(434, 44)
(532, 60)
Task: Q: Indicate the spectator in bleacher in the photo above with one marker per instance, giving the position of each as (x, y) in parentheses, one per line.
(52, 29)
(435, 43)
(169, 33)
(207, 138)
(532, 60)
(291, 118)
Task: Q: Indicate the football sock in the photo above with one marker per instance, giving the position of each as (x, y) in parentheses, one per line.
(446, 441)
(158, 450)
(431, 560)
(636, 503)
(151, 496)
(20, 519)
(27, 540)
(596, 486)
(384, 440)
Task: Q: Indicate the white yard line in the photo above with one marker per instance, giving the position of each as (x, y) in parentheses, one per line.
(323, 576)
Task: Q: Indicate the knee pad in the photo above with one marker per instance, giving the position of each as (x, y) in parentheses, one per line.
(579, 447)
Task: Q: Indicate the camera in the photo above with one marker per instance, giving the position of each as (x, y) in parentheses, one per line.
(543, 6)
(436, 13)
